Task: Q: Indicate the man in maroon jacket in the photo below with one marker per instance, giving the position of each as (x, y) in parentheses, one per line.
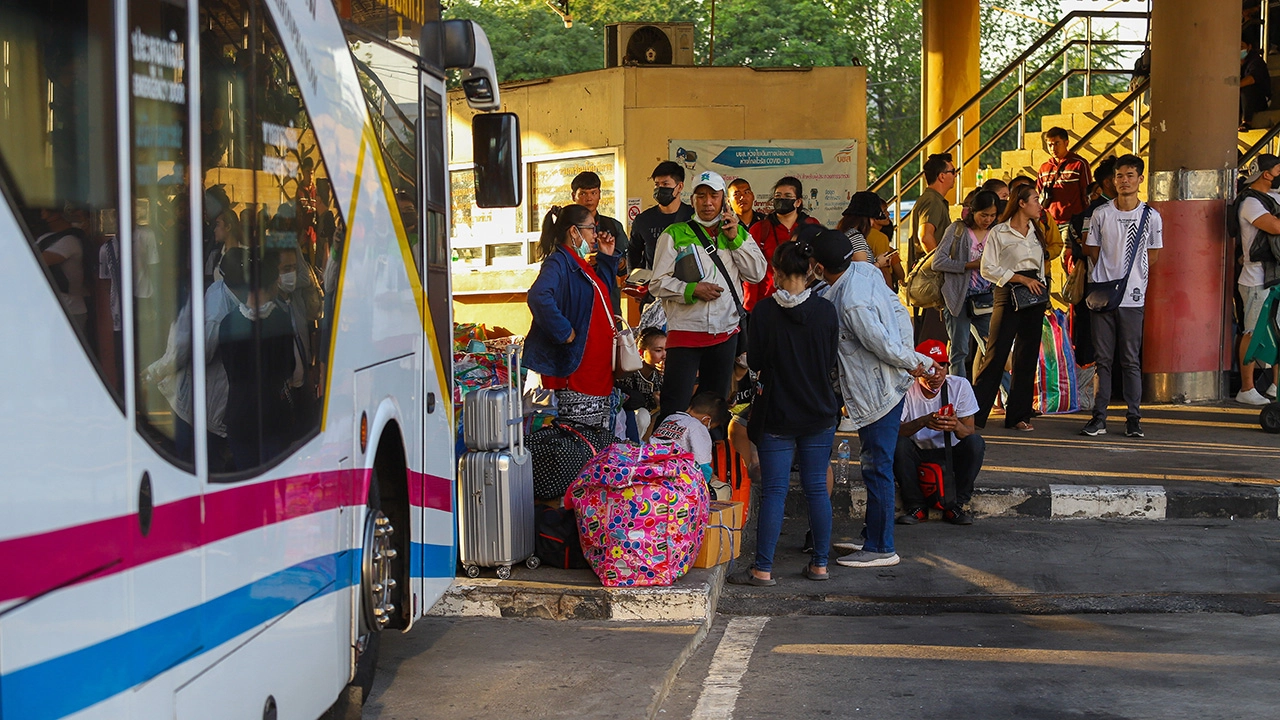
(1064, 180)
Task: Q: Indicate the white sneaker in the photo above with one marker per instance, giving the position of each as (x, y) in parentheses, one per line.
(847, 547)
(866, 558)
(1271, 391)
(1252, 397)
(846, 426)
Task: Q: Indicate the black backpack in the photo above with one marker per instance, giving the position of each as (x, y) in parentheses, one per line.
(1264, 245)
(556, 542)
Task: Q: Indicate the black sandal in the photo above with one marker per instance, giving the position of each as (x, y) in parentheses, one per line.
(746, 577)
(809, 573)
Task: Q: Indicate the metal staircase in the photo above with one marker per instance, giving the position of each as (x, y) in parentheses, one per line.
(1071, 47)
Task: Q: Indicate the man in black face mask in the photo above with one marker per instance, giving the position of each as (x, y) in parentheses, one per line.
(778, 227)
(668, 182)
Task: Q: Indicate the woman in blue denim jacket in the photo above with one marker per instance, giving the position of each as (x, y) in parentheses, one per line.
(571, 339)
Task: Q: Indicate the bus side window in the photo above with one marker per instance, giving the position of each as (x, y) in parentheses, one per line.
(273, 243)
(59, 165)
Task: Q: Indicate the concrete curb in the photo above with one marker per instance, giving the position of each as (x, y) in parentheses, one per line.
(1053, 501)
(691, 600)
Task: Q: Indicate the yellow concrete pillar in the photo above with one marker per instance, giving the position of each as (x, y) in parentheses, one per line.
(950, 77)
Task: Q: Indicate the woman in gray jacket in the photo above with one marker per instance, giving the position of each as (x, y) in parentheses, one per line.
(967, 295)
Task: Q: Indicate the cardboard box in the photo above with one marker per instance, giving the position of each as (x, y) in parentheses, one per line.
(716, 545)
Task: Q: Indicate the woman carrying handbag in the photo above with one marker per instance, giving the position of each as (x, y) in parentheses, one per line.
(572, 341)
(1014, 260)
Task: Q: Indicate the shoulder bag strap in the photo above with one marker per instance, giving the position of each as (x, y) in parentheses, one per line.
(1142, 226)
(710, 247)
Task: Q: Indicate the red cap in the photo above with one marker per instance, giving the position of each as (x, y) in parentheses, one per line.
(935, 349)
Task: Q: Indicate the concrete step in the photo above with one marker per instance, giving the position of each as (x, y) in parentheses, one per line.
(555, 594)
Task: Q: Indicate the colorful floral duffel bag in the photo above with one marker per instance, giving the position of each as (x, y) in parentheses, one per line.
(641, 512)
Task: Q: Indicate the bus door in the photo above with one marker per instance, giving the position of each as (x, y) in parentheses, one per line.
(163, 319)
(438, 436)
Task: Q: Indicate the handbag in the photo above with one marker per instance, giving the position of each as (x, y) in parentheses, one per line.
(1107, 295)
(626, 354)
(1073, 290)
(1024, 298)
(982, 303)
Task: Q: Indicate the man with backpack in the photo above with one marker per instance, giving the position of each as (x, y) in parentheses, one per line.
(1258, 210)
(937, 427)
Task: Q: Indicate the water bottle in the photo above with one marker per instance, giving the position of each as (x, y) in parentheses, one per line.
(842, 461)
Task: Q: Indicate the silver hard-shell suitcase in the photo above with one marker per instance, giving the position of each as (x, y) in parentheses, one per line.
(495, 497)
(495, 504)
(489, 413)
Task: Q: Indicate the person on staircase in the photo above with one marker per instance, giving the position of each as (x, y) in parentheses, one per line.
(1064, 180)
(1255, 80)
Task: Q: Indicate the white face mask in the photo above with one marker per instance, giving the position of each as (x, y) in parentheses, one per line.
(708, 223)
(288, 281)
(250, 313)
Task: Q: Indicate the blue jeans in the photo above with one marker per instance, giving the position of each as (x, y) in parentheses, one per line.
(879, 442)
(960, 338)
(814, 455)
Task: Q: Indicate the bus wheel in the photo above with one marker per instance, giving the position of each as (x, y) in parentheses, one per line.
(1270, 418)
(377, 582)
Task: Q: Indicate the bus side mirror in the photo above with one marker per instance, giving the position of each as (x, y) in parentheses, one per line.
(495, 149)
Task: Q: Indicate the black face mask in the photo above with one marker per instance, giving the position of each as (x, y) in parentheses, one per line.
(784, 206)
(664, 195)
(1275, 183)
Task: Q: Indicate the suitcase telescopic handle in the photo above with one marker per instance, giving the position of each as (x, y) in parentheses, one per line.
(515, 438)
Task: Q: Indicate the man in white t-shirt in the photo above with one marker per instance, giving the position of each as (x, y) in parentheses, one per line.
(1261, 175)
(1119, 239)
(920, 438)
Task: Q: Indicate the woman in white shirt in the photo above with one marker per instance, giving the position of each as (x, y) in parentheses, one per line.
(1015, 254)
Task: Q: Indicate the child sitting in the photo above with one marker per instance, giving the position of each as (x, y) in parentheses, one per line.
(692, 429)
(642, 387)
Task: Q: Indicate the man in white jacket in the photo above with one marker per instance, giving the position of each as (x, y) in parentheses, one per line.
(702, 297)
(877, 363)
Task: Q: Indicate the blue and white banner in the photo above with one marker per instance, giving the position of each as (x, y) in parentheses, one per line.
(827, 169)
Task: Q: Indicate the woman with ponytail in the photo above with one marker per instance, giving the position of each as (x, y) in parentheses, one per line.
(571, 340)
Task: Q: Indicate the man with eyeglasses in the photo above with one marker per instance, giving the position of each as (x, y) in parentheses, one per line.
(932, 212)
(776, 228)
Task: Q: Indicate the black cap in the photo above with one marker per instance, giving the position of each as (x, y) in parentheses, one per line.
(865, 204)
(832, 249)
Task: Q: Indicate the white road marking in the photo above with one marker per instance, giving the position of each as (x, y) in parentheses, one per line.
(724, 677)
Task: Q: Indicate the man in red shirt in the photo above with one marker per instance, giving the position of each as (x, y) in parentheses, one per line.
(776, 228)
(1064, 180)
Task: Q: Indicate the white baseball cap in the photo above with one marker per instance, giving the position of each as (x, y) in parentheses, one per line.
(711, 179)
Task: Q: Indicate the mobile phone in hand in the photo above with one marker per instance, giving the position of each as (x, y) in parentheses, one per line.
(947, 410)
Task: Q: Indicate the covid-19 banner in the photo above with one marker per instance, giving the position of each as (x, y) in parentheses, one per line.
(827, 169)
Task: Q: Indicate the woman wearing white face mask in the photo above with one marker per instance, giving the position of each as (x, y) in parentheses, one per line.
(259, 414)
(571, 340)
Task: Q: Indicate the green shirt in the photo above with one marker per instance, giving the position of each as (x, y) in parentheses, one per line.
(931, 208)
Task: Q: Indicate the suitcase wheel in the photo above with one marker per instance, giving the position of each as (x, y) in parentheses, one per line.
(472, 571)
(533, 562)
(504, 572)
(1269, 418)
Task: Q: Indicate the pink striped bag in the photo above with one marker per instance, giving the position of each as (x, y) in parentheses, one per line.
(641, 512)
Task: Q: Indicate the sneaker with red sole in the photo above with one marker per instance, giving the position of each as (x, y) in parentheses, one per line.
(914, 516)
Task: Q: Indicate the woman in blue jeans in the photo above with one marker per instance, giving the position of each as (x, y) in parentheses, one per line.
(792, 344)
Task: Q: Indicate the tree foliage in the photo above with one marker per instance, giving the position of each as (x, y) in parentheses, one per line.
(530, 41)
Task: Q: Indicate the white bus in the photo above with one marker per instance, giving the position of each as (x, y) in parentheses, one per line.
(225, 359)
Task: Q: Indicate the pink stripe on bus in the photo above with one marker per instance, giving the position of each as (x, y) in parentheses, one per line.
(38, 563)
(430, 491)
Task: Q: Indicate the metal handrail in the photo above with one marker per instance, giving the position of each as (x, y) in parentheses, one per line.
(1263, 142)
(1131, 103)
(1020, 67)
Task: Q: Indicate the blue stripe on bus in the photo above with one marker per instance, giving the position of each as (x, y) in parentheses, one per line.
(72, 682)
(77, 680)
(431, 561)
